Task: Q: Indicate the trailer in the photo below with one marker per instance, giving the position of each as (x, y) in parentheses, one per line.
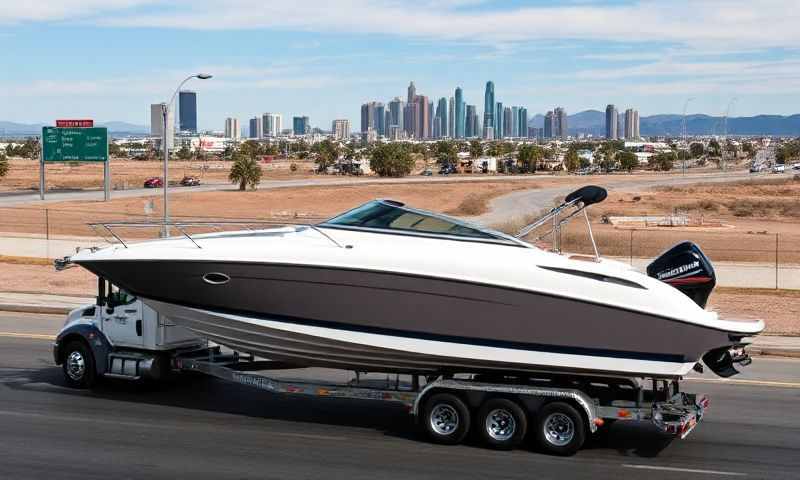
(120, 337)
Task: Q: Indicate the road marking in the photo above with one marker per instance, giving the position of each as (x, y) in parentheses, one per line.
(685, 470)
(27, 335)
(765, 383)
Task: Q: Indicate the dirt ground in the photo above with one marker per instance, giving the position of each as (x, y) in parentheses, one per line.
(24, 174)
(780, 309)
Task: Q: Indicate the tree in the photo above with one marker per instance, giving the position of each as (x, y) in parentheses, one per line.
(251, 149)
(391, 160)
(245, 171)
(115, 150)
(327, 153)
(10, 150)
(627, 160)
(475, 149)
(3, 165)
(529, 157)
(571, 160)
(714, 149)
(697, 150)
(446, 153)
(663, 161)
(30, 149)
(184, 153)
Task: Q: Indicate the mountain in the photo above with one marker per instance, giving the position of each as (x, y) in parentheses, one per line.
(592, 122)
(22, 129)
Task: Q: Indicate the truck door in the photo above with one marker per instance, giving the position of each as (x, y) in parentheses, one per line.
(122, 320)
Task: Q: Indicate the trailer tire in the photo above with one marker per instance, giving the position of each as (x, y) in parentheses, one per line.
(560, 429)
(78, 365)
(447, 419)
(501, 423)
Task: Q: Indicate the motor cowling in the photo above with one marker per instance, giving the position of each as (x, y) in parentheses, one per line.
(686, 268)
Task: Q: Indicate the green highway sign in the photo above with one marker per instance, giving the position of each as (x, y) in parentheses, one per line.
(74, 144)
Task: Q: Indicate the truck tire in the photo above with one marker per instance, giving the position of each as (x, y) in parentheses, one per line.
(501, 423)
(78, 365)
(446, 419)
(560, 429)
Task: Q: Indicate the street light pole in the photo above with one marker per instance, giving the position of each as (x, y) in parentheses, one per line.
(165, 115)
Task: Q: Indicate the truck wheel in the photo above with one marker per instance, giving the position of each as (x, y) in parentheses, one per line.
(78, 365)
(501, 423)
(446, 418)
(560, 429)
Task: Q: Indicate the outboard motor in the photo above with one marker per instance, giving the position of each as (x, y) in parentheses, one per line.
(686, 268)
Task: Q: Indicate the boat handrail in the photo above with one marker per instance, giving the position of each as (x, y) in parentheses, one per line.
(181, 226)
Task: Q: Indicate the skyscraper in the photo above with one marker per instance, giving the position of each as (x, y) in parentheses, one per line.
(488, 105)
(256, 128)
(451, 119)
(341, 129)
(423, 127)
(396, 107)
(272, 123)
(367, 117)
(412, 93)
(499, 123)
(629, 131)
(469, 127)
(460, 114)
(549, 124)
(636, 124)
(187, 111)
(410, 118)
(508, 118)
(232, 129)
(373, 116)
(515, 122)
(523, 122)
(301, 125)
(560, 117)
(380, 119)
(431, 110)
(611, 122)
(441, 114)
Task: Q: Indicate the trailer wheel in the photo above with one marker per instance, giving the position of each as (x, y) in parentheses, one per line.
(447, 418)
(560, 429)
(78, 365)
(501, 423)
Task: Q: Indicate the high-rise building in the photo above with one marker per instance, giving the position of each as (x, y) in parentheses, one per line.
(422, 120)
(256, 128)
(412, 93)
(460, 113)
(611, 122)
(636, 124)
(272, 123)
(157, 123)
(523, 122)
(187, 111)
(380, 119)
(515, 122)
(499, 121)
(451, 118)
(341, 129)
(629, 131)
(560, 130)
(396, 114)
(301, 125)
(549, 124)
(508, 118)
(367, 117)
(469, 124)
(373, 116)
(410, 119)
(488, 105)
(441, 114)
(232, 129)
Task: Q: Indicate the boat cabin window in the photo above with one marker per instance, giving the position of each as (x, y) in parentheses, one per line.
(390, 215)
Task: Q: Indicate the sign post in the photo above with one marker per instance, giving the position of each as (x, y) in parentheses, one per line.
(75, 144)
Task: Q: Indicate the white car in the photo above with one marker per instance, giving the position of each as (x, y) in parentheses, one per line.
(796, 166)
(779, 168)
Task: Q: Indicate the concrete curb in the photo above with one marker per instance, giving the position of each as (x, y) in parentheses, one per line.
(773, 352)
(48, 309)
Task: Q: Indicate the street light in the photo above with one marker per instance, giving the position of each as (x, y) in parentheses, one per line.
(165, 117)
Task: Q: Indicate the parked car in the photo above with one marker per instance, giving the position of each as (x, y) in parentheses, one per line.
(796, 166)
(779, 168)
(153, 182)
(447, 170)
(427, 172)
(190, 181)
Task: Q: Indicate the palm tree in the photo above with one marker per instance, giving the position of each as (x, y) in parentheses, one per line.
(245, 171)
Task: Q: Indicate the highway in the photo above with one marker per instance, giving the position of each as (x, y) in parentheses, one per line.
(197, 427)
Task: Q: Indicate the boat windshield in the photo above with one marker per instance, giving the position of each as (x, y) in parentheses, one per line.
(395, 216)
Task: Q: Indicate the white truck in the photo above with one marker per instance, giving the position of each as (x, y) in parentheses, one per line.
(120, 337)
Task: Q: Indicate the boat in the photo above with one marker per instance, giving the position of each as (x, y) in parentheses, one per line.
(386, 287)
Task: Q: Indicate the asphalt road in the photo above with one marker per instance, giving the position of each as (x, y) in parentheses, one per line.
(197, 427)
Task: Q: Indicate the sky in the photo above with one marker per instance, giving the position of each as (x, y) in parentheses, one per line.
(110, 59)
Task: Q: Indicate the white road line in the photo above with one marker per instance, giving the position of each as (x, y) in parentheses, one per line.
(27, 335)
(685, 470)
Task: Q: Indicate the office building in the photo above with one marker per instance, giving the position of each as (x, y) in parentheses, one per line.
(472, 124)
(611, 122)
(232, 129)
(256, 128)
(412, 93)
(395, 133)
(409, 118)
(441, 114)
(507, 120)
(301, 126)
(549, 124)
(422, 115)
(515, 122)
(460, 113)
(523, 122)
(560, 118)
(157, 123)
(187, 111)
(629, 131)
(272, 123)
(373, 115)
(499, 122)
(451, 118)
(636, 124)
(488, 105)
(396, 115)
(341, 129)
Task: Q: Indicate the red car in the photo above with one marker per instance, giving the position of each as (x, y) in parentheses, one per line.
(153, 182)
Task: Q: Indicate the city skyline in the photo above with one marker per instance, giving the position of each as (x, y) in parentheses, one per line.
(321, 63)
